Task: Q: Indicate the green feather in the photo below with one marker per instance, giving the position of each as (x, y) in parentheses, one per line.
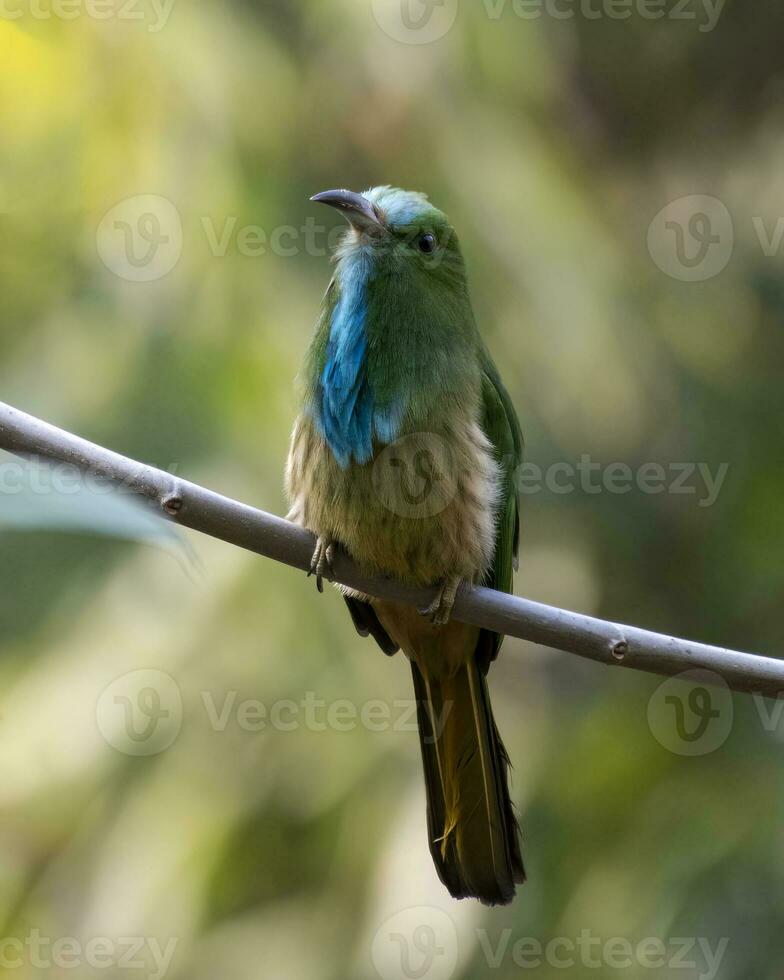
(502, 428)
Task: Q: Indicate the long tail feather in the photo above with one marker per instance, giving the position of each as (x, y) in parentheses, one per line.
(473, 833)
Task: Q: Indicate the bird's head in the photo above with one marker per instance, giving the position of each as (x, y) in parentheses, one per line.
(397, 232)
(396, 333)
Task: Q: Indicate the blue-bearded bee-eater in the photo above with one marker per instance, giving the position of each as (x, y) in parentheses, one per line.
(404, 456)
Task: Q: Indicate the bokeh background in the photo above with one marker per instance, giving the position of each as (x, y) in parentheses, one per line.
(143, 152)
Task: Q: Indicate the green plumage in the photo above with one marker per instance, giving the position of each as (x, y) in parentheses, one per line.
(502, 428)
(405, 456)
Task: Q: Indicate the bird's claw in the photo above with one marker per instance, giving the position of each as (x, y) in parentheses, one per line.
(440, 609)
(321, 562)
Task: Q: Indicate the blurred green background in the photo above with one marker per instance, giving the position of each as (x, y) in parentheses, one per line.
(162, 328)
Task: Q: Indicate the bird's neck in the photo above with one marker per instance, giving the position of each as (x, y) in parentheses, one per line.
(387, 349)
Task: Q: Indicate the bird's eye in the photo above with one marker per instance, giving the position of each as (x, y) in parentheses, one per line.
(427, 244)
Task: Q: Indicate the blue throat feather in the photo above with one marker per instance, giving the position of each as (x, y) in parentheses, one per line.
(345, 407)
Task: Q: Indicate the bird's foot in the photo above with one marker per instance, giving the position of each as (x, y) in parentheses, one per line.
(440, 609)
(321, 562)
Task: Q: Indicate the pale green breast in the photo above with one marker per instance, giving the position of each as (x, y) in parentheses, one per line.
(422, 509)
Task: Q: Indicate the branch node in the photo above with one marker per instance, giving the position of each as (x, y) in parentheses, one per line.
(619, 649)
(172, 504)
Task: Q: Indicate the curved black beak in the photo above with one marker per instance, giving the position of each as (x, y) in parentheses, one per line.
(355, 208)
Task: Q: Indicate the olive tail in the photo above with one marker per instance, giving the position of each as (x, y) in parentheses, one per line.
(473, 833)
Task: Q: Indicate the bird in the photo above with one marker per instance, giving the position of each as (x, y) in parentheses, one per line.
(403, 456)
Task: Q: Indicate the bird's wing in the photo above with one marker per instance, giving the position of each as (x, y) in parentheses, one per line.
(502, 428)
